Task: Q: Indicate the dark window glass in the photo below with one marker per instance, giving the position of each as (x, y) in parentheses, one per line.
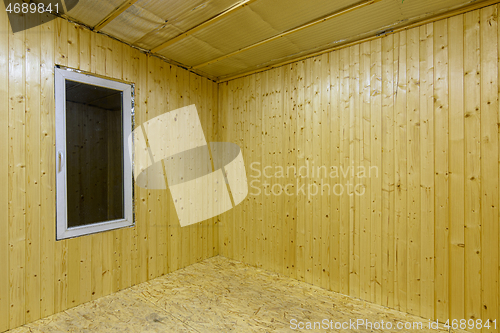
(94, 149)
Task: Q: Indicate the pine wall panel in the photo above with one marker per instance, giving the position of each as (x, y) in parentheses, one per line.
(420, 105)
(41, 276)
(418, 109)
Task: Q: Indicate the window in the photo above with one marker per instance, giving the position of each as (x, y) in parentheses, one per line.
(93, 169)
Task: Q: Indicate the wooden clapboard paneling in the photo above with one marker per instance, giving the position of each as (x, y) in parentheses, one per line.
(16, 104)
(47, 167)
(40, 275)
(456, 169)
(442, 164)
(489, 107)
(33, 174)
(421, 106)
(400, 167)
(4, 173)
(388, 211)
(473, 115)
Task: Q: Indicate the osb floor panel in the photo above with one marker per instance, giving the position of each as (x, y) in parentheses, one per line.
(218, 295)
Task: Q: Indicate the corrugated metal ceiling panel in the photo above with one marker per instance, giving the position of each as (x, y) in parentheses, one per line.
(369, 20)
(91, 12)
(253, 24)
(189, 50)
(274, 51)
(230, 65)
(149, 23)
(171, 9)
(147, 17)
(326, 35)
(236, 31)
(133, 24)
(155, 37)
(286, 14)
(201, 13)
(183, 23)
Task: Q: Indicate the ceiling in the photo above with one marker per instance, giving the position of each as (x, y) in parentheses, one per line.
(208, 36)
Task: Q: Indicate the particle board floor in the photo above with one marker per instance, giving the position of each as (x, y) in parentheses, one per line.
(218, 295)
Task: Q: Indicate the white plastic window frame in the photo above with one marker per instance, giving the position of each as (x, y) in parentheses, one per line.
(62, 229)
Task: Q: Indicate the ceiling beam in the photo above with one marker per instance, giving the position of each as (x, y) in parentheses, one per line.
(114, 14)
(203, 25)
(291, 31)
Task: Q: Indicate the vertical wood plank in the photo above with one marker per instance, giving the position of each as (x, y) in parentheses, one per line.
(365, 161)
(259, 248)
(153, 197)
(489, 164)
(354, 140)
(457, 166)
(309, 160)
(292, 163)
(74, 244)
(132, 75)
(400, 170)
(441, 179)
(61, 246)
(17, 176)
(239, 221)
(387, 173)
(427, 187)
(472, 127)
(498, 256)
(4, 171)
(161, 107)
(205, 123)
(33, 199)
(192, 229)
(270, 160)
(282, 154)
(413, 153)
(344, 221)
(250, 144)
(279, 157)
(223, 99)
(334, 262)
(316, 162)
(47, 167)
(301, 162)
(215, 125)
(376, 164)
(229, 221)
(215, 131)
(326, 210)
(174, 244)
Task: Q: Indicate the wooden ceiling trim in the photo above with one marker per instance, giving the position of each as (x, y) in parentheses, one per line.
(291, 31)
(474, 6)
(114, 14)
(203, 25)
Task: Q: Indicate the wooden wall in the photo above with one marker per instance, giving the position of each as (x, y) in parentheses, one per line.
(41, 276)
(422, 107)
